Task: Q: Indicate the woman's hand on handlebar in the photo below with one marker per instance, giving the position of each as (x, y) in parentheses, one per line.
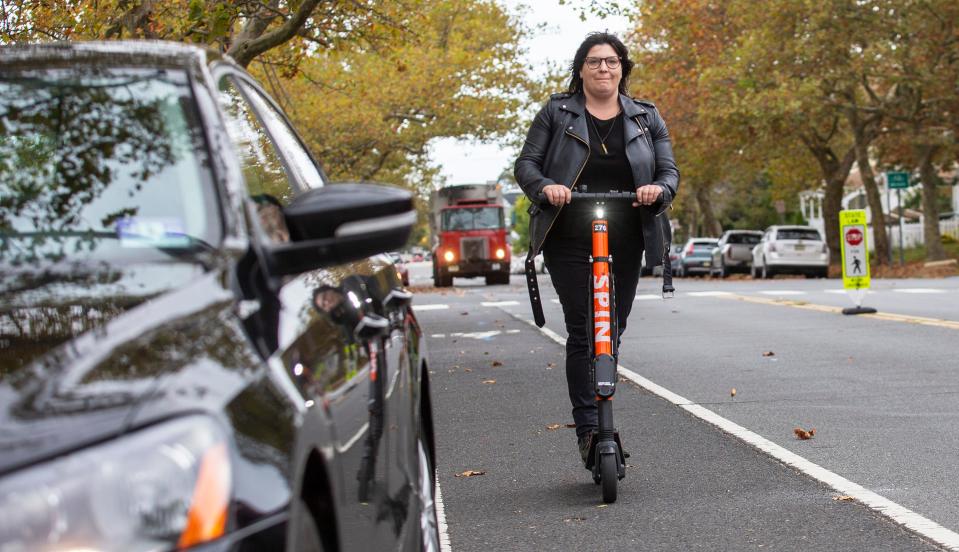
(647, 195)
(557, 194)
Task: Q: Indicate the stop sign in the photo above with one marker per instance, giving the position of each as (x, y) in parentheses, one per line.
(853, 236)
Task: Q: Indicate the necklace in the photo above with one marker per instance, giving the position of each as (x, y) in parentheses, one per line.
(602, 139)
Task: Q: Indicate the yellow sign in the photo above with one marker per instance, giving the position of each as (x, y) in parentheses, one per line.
(855, 253)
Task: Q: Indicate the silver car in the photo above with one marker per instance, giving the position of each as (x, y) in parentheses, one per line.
(734, 253)
(791, 249)
(696, 256)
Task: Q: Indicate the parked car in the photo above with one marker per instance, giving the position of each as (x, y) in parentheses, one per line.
(790, 249)
(696, 256)
(734, 252)
(198, 329)
(675, 253)
(401, 271)
(517, 263)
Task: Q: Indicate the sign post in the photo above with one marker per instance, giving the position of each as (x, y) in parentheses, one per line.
(898, 180)
(855, 258)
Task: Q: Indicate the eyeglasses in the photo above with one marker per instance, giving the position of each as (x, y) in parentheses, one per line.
(612, 62)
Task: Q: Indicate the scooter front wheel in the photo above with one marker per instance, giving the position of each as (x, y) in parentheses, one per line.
(609, 477)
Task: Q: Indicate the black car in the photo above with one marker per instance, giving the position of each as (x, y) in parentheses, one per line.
(202, 346)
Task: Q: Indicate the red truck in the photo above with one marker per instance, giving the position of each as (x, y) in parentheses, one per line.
(469, 231)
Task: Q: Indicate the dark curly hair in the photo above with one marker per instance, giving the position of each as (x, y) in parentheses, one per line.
(595, 39)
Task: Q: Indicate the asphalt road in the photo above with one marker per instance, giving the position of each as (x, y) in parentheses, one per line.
(882, 394)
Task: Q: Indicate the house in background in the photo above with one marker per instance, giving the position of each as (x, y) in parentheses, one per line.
(854, 197)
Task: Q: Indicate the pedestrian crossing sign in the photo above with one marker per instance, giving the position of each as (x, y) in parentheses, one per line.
(855, 253)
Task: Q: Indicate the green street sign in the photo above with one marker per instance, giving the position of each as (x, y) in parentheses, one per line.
(897, 180)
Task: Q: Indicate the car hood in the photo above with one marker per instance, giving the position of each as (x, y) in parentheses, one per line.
(81, 352)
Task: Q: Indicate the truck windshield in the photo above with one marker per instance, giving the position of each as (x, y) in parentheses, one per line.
(469, 218)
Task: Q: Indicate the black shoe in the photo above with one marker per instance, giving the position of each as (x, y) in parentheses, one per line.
(584, 442)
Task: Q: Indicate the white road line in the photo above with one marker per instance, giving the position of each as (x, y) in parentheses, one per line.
(708, 293)
(430, 307)
(499, 303)
(512, 331)
(897, 513)
(919, 290)
(843, 292)
(648, 297)
(782, 292)
(438, 336)
(441, 520)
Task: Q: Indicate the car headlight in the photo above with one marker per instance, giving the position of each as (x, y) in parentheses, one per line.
(164, 487)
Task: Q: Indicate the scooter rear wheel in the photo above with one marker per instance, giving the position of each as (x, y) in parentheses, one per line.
(609, 476)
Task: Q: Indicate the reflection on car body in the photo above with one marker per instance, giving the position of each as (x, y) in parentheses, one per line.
(202, 346)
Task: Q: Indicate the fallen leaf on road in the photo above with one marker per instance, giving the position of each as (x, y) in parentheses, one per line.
(769, 354)
(485, 352)
(497, 363)
(551, 427)
(571, 426)
(464, 313)
(803, 434)
(470, 473)
(843, 498)
(567, 520)
(490, 381)
(551, 365)
(602, 505)
(732, 392)
(467, 369)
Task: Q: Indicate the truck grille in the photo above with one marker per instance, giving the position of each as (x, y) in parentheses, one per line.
(474, 249)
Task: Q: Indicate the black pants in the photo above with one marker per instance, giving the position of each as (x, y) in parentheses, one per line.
(567, 259)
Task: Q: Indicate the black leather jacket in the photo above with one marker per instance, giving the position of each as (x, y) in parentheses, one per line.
(556, 150)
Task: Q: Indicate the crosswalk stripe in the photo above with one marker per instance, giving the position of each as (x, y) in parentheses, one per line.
(499, 303)
(430, 307)
(648, 297)
(782, 292)
(708, 293)
(919, 290)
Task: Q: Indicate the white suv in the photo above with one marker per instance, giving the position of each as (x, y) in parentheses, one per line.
(791, 249)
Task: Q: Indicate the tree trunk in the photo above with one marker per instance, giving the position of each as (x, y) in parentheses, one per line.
(711, 225)
(835, 172)
(863, 137)
(930, 208)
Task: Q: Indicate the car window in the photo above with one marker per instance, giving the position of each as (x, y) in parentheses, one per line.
(798, 234)
(298, 159)
(266, 178)
(749, 239)
(106, 163)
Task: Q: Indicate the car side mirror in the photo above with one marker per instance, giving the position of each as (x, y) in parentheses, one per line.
(340, 223)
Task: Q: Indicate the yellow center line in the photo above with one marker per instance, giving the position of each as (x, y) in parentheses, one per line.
(909, 319)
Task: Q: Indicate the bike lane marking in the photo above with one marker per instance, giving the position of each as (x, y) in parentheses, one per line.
(909, 319)
(896, 512)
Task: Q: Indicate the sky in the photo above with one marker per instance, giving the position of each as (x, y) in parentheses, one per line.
(468, 163)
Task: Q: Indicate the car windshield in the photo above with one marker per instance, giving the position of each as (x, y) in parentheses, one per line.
(473, 218)
(101, 163)
(700, 247)
(798, 234)
(748, 239)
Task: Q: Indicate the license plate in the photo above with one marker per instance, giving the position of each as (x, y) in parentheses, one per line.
(495, 266)
(454, 268)
(799, 247)
(707, 263)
